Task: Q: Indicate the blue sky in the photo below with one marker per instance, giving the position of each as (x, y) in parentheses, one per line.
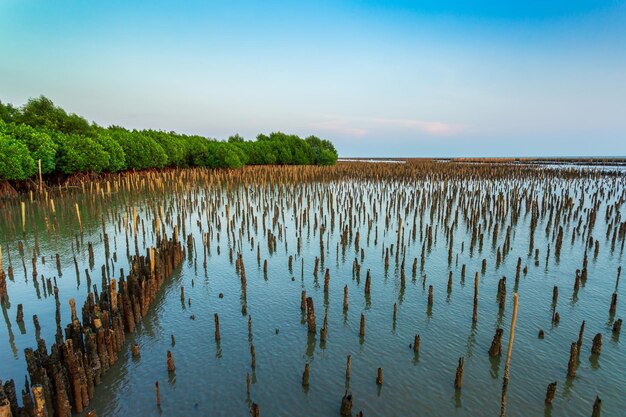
(378, 78)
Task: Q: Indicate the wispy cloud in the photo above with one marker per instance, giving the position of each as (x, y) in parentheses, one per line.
(340, 126)
(359, 127)
(430, 127)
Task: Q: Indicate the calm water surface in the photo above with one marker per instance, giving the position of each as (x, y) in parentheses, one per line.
(210, 377)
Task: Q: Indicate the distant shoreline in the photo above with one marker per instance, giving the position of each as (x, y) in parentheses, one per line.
(598, 161)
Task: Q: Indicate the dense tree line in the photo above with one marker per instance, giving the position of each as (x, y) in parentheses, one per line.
(67, 144)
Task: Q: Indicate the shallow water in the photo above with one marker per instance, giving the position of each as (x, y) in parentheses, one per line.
(210, 377)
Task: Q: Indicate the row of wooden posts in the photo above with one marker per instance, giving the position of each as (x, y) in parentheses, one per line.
(62, 379)
(554, 207)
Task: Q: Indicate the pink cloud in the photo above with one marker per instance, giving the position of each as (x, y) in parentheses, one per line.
(433, 128)
(339, 126)
(359, 127)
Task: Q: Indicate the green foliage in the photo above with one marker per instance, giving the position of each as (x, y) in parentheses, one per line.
(78, 153)
(8, 113)
(265, 153)
(323, 150)
(15, 160)
(173, 146)
(117, 157)
(67, 143)
(258, 153)
(196, 150)
(141, 150)
(327, 157)
(290, 149)
(225, 155)
(41, 112)
(236, 138)
(39, 144)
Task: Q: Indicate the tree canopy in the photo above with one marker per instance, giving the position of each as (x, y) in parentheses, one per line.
(67, 143)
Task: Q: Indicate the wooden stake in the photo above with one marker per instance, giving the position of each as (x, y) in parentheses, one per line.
(597, 407)
(362, 326)
(170, 362)
(310, 313)
(80, 222)
(617, 327)
(416, 344)
(40, 177)
(505, 382)
(346, 405)
(573, 359)
(550, 393)
(305, 375)
(596, 347)
(475, 310)
(23, 217)
(496, 344)
(458, 380)
(39, 400)
(217, 327)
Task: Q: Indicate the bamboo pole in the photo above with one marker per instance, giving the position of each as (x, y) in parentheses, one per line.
(80, 223)
(505, 382)
(40, 177)
(23, 217)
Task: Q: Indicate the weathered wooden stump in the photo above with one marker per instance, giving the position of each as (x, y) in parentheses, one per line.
(581, 333)
(596, 346)
(346, 405)
(310, 315)
(458, 380)
(613, 304)
(573, 360)
(305, 375)
(5, 408)
(617, 327)
(362, 326)
(39, 401)
(326, 281)
(430, 296)
(216, 318)
(475, 309)
(496, 344)
(303, 301)
(20, 314)
(597, 407)
(550, 393)
(170, 362)
(555, 295)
